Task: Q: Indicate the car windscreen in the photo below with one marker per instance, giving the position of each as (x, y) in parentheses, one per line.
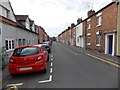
(28, 51)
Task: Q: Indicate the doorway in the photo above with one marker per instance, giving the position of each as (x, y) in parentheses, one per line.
(109, 44)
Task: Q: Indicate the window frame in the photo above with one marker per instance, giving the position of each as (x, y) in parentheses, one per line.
(10, 44)
(98, 40)
(89, 40)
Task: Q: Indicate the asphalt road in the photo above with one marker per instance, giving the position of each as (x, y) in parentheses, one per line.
(69, 67)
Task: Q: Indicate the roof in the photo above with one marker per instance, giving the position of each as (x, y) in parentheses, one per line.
(21, 17)
(100, 10)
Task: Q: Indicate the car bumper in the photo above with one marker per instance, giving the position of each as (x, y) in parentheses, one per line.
(18, 69)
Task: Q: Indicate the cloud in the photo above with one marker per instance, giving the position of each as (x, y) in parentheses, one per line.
(56, 15)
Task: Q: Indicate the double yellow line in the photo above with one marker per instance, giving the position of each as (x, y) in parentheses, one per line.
(106, 61)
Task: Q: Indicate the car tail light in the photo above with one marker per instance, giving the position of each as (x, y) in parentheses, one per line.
(39, 58)
(11, 61)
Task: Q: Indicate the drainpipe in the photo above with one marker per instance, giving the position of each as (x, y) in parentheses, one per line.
(118, 39)
(118, 31)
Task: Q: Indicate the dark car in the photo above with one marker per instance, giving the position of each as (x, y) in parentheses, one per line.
(48, 42)
(47, 47)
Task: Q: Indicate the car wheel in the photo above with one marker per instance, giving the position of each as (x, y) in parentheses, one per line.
(13, 75)
(45, 70)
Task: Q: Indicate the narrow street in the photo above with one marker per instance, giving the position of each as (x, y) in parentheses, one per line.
(69, 67)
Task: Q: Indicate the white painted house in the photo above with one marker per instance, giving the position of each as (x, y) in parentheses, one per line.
(15, 30)
(7, 25)
(80, 40)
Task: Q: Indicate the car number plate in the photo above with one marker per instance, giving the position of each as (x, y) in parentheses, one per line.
(24, 69)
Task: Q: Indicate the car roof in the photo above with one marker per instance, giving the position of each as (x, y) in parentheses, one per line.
(39, 45)
(45, 44)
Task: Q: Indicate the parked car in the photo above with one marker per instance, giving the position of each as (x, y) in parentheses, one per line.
(27, 59)
(48, 42)
(48, 48)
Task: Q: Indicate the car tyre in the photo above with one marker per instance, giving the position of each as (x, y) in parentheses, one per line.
(48, 58)
(45, 70)
(13, 75)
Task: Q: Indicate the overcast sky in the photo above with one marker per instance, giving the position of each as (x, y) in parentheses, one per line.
(56, 15)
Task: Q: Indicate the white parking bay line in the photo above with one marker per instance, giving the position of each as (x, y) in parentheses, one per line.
(18, 84)
(50, 78)
(51, 59)
(51, 64)
(51, 70)
(46, 81)
(52, 55)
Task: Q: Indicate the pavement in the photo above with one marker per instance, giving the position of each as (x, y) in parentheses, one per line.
(5, 69)
(114, 59)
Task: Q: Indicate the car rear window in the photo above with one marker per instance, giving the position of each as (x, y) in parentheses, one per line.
(28, 51)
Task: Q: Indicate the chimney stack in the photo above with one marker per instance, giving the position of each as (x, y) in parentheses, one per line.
(91, 12)
(72, 25)
(79, 20)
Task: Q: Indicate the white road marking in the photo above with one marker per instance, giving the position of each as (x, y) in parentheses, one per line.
(76, 54)
(51, 59)
(51, 70)
(46, 81)
(52, 55)
(50, 78)
(18, 84)
(51, 64)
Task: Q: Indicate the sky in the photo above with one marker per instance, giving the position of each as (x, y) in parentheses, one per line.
(56, 15)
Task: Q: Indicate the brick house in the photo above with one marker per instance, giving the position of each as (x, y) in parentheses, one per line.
(73, 34)
(42, 35)
(101, 29)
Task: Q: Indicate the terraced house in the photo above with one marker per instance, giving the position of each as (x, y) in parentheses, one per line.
(8, 25)
(100, 30)
(16, 30)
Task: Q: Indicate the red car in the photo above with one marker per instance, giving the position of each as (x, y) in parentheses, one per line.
(27, 59)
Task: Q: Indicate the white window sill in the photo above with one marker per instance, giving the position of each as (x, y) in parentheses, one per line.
(98, 25)
(97, 45)
(89, 44)
(88, 28)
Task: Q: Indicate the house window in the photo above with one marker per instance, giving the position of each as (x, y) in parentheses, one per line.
(88, 40)
(78, 39)
(12, 44)
(9, 43)
(5, 12)
(98, 40)
(19, 42)
(88, 23)
(23, 41)
(6, 44)
(99, 20)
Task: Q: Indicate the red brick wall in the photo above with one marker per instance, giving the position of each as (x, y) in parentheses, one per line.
(109, 23)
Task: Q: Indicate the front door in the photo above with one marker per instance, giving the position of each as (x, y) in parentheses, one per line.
(110, 44)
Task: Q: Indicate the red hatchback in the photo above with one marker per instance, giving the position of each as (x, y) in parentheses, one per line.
(27, 59)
